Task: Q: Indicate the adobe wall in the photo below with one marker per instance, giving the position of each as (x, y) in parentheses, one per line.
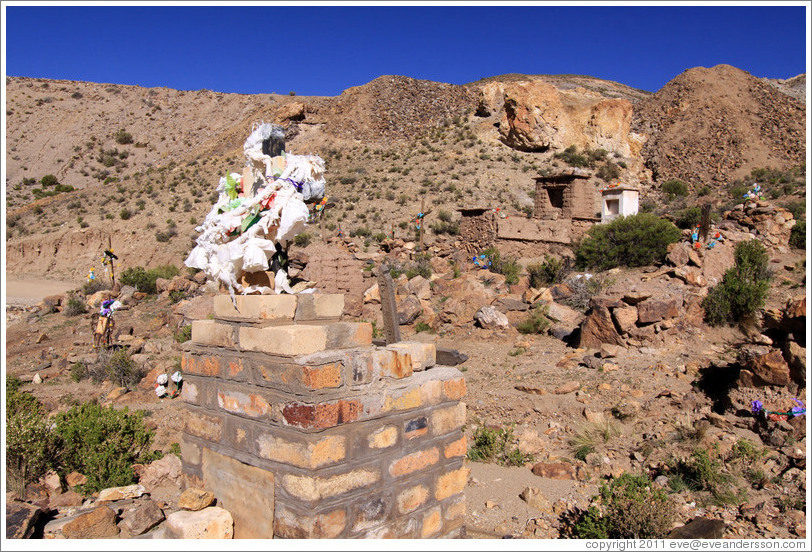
(304, 429)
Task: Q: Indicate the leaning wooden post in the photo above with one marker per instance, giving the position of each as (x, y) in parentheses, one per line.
(704, 222)
(112, 269)
(389, 308)
(422, 222)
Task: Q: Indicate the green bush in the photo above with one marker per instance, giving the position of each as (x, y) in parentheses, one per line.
(420, 267)
(609, 172)
(125, 214)
(551, 271)
(631, 508)
(797, 236)
(49, 180)
(144, 280)
(117, 366)
(184, 334)
(302, 240)
(537, 321)
(75, 306)
(507, 266)
(103, 444)
(123, 137)
(572, 158)
(637, 240)
(743, 289)
(496, 445)
(78, 371)
(674, 188)
(32, 448)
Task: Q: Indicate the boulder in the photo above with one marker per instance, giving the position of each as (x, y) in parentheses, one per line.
(372, 295)
(535, 498)
(409, 309)
(699, 528)
(653, 310)
(98, 523)
(625, 318)
(210, 523)
(21, 519)
(121, 493)
(162, 478)
(598, 328)
(146, 515)
(795, 355)
(195, 499)
(195, 308)
(771, 368)
(555, 470)
(564, 320)
(678, 254)
(420, 287)
(74, 479)
(490, 318)
(67, 499)
(510, 303)
(99, 297)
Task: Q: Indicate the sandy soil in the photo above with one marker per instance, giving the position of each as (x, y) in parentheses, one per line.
(31, 291)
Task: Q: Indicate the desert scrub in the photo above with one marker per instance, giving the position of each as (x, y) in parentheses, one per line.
(75, 306)
(496, 445)
(629, 507)
(591, 436)
(506, 266)
(703, 472)
(551, 271)
(117, 366)
(674, 188)
(32, 447)
(584, 287)
(743, 289)
(103, 444)
(144, 280)
(637, 240)
(797, 236)
(536, 322)
(184, 334)
(420, 267)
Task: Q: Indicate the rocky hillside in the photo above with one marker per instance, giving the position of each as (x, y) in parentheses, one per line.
(145, 162)
(708, 126)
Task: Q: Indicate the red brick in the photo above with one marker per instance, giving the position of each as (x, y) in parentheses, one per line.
(412, 498)
(456, 448)
(414, 461)
(247, 404)
(319, 377)
(201, 365)
(451, 483)
(203, 425)
(432, 523)
(454, 389)
(322, 415)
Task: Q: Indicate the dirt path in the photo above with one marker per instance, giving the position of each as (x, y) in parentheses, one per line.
(32, 290)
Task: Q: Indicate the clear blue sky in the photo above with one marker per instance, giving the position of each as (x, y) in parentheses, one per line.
(323, 50)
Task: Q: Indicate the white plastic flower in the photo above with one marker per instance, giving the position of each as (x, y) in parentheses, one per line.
(176, 377)
(160, 390)
(163, 379)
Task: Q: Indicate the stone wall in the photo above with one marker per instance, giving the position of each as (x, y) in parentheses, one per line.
(303, 429)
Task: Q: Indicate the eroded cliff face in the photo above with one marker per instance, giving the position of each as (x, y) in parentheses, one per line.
(537, 116)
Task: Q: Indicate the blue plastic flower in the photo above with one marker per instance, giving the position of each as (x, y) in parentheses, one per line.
(756, 407)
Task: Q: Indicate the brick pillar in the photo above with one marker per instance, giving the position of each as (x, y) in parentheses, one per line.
(304, 429)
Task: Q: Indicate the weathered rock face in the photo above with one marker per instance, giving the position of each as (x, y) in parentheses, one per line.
(765, 219)
(490, 317)
(537, 116)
